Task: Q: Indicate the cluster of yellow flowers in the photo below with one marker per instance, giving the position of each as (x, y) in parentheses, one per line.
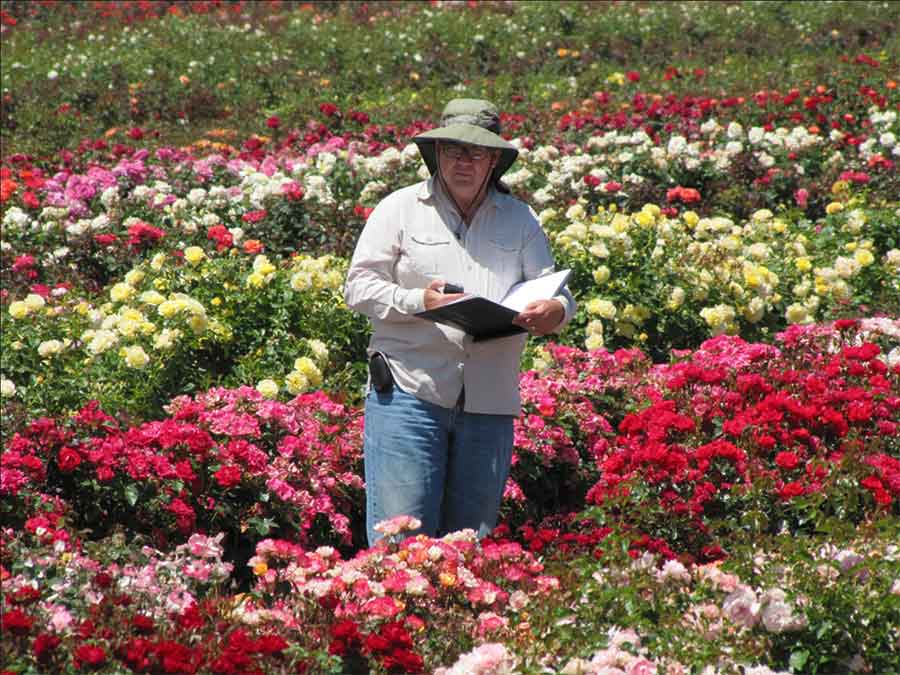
(306, 374)
(726, 272)
(263, 272)
(319, 273)
(19, 309)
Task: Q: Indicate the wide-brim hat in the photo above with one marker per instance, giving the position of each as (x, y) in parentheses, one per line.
(471, 121)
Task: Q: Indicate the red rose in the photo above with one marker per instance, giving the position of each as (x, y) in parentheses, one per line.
(787, 460)
(790, 490)
(90, 655)
(404, 660)
(328, 109)
(228, 476)
(142, 623)
(396, 633)
(253, 216)
(68, 460)
(44, 644)
(16, 621)
(273, 122)
(271, 644)
(376, 643)
(105, 239)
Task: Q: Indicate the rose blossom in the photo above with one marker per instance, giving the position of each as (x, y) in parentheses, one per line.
(742, 606)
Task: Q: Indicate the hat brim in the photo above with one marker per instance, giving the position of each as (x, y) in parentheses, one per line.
(470, 134)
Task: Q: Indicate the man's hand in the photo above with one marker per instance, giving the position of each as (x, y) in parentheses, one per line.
(435, 298)
(541, 316)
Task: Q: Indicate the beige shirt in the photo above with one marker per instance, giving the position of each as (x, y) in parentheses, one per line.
(414, 236)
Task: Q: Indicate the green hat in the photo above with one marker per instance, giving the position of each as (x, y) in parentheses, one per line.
(472, 121)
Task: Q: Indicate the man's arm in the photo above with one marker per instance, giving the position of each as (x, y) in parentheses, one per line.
(370, 287)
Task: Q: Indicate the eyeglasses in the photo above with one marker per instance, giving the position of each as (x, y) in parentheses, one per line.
(456, 152)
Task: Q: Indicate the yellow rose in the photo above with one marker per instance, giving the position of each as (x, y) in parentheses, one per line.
(194, 255)
(594, 341)
(262, 265)
(864, 257)
(796, 313)
(256, 280)
(333, 279)
(158, 261)
(168, 309)
(603, 308)
(49, 348)
(302, 281)
(199, 323)
(268, 388)
(307, 366)
(128, 327)
(601, 274)
(319, 349)
(101, 340)
(134, 277)
(121, 292)
(691, 218)
(19, 310)
(135, 356)
(643, 218)
(166, 339)
(151, 298)
(834, 207)
(34, 301)
(803, 264)
(296, 382)
(676, 298)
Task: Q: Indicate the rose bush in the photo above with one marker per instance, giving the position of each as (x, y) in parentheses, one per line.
(181, 486)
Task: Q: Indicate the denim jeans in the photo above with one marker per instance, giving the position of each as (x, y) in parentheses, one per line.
(446, 467)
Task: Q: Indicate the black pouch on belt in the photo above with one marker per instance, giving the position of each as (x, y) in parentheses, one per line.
(380, 373)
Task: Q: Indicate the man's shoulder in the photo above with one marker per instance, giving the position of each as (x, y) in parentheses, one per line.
(404, 195)
(514, 207)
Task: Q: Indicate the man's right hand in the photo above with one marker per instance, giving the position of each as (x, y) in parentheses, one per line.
(435, 298)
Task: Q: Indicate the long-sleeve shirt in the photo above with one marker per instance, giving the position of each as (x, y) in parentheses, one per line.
(414, 236)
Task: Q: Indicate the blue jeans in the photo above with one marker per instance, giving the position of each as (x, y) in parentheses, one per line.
(446, 467)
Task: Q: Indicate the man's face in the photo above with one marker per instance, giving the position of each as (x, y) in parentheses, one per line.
(464, 167)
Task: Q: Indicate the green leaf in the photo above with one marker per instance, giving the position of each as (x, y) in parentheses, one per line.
(131, 494)
(798, 660)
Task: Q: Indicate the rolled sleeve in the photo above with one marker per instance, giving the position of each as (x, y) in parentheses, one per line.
(370, 287)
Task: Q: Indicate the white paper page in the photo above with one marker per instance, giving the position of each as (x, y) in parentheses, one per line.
(542, 288)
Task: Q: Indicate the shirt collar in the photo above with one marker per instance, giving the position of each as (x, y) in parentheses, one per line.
(431, 189)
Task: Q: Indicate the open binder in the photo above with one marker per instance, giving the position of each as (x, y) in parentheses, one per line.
(485, 319)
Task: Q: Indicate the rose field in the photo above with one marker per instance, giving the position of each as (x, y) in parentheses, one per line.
(706, 471)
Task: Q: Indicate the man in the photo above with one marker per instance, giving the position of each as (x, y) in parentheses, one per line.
(439, 412)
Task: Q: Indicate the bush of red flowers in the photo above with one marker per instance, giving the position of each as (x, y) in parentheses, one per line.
(225, 461)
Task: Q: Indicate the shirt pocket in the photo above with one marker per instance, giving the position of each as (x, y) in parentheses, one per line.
(504, 259)
(503, 245)
(428, 253)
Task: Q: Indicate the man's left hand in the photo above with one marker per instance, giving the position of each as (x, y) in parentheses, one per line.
(541, 316)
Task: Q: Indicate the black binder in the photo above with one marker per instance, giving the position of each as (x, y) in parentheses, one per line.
(485, 319)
